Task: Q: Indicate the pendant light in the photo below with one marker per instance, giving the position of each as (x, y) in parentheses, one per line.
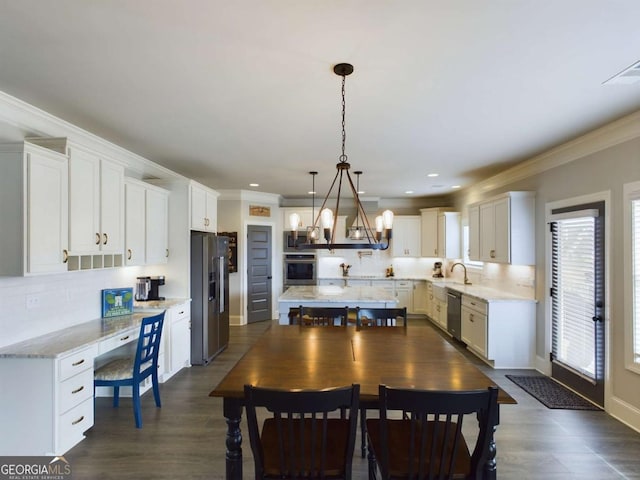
(328, 218)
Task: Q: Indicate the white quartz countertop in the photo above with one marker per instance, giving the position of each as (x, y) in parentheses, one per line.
(373, 277)
(158, 304)
(334, 293)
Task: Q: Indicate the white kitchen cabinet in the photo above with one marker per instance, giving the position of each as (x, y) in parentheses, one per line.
(440, 306)
(96, 201)
(429, 300)
(474, 325)
(34, 210)
(405, 241)
(404, 294)
(506, 229)
(357, 282)
(420, 295)
(429, 232)
(204, 208)
(135, 219)
(147, 223)
(474, 232)
(500, 332)
(440, 236)
(178, 339)
(51, 402)
(157, 225)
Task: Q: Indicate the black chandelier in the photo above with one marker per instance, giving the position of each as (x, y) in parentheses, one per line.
(328, 219)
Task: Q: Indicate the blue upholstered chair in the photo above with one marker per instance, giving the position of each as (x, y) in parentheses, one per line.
(131, 371)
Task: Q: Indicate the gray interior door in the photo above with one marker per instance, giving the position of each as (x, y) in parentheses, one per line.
(259, 273)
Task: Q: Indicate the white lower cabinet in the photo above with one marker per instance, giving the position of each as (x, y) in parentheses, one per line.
(178, 339)
(50, 400)
(420, 295)
(500, 332)
(404, 294)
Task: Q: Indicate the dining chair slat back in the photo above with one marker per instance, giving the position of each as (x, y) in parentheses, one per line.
(424, 438)
(305, 434)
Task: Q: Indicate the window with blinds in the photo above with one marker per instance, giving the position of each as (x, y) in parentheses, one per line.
(573, 290)
(635, 279)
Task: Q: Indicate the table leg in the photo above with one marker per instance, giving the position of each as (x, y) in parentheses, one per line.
(232, 410)
(491, 467)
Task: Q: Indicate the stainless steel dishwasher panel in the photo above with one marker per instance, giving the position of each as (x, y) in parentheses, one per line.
(454, 314)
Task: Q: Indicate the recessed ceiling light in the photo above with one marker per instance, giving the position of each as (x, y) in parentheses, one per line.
(254, 185)
(311, 192)
(455, 186)
(360, 192)
(432, 174)
(408, 192)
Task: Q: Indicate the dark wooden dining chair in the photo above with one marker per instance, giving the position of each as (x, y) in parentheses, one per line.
(425, 440)
(133, 370)
(323, 316)
(376, 317)
(306, 435)
(381, 317)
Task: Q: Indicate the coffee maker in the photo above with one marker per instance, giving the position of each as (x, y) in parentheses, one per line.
(437, 270)
(147, 288)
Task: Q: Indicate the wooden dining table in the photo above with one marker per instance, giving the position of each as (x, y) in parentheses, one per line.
(303, 357)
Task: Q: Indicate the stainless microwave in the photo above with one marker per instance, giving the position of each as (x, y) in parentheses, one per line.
(291, 242)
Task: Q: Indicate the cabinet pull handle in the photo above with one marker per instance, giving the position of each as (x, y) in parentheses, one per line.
(77, 390)
(492, 254)
(181, 313)
(124, 338)
(167, 253)
(65, 256)
(97, 239)
(106, 238)
(75, 422)
(79, 362)
(129, 253)
(471, 317)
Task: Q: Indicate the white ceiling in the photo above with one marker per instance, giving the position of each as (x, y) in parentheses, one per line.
(233, 92)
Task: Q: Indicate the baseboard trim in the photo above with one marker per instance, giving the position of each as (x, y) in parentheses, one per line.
(236, 320)
(624, 412)
(543, 366)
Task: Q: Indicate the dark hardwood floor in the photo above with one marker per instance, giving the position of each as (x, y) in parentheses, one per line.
(185, 439)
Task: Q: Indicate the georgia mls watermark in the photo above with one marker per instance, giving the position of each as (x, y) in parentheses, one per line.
(34, 468)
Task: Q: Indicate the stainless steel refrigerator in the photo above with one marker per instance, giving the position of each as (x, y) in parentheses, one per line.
(209, 296)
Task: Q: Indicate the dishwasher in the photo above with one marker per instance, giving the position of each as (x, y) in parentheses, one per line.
(454, 315)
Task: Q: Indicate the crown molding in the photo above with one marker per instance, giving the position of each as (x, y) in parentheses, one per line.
(35, 122)
(614, 133)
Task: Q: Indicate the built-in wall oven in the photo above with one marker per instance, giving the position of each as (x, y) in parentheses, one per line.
(299, 269)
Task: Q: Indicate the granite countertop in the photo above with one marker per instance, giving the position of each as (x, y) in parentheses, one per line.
(71, 339)
(158, 304)
(373, 277)
(480, 292)
(333, 294)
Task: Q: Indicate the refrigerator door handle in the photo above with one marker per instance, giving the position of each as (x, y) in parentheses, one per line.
(222, 285)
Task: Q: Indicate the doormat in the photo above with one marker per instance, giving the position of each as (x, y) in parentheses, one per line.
(550, 393)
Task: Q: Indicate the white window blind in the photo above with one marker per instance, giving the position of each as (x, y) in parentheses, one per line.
(573, 272)
(635, 252)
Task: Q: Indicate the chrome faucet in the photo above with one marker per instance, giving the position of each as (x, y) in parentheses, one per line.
(466, 279)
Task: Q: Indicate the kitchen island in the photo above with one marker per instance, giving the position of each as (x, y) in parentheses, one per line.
(333, 296)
